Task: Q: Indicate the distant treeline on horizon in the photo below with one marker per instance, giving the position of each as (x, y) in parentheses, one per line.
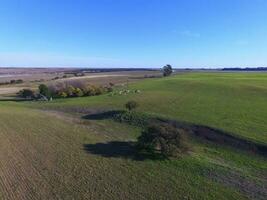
(245, 69)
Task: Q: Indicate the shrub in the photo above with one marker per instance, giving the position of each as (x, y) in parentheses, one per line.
(99, 90)
(167, 70)
(89, 90)
(133, 118)
(77, 92)
(19, 81)
(26, 93)
(109, 89)
(131, 105)
(62, 94)
(163, 139)
(70, 91)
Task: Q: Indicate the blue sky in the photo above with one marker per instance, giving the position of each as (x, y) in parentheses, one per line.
(133, 33)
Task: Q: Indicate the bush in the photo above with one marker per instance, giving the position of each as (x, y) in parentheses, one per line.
(161, 139)
(62, 94)
(89, 90)
(133, 118)
(109, 89)
(99, 90)
(19, 81)
(77, 92)
(70, 91)
(131, 105)
(167, 70)
(26, 93)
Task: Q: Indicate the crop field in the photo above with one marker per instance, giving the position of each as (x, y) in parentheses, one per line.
(50, 150)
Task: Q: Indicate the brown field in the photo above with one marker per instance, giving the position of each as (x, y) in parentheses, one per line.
(34, 77)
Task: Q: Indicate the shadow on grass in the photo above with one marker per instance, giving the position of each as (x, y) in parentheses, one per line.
(119, 149)
(103, 115)
(205, 133)
(14, 99)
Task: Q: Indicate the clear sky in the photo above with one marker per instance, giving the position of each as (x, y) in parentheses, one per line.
(133, 33)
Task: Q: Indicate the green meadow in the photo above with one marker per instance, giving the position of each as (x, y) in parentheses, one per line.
(49, 151)
(233, 102)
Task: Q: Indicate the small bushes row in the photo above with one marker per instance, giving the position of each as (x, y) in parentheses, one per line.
(71, 91)
(133, 118)
(77, 89)
(64, 90)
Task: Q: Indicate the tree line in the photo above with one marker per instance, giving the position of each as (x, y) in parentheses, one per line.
(64, 90)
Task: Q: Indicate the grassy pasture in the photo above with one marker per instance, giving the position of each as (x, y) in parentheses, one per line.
(46, 154)
(232, 102)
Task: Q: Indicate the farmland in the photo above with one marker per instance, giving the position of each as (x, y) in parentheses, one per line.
(33, 77)
(49, 150)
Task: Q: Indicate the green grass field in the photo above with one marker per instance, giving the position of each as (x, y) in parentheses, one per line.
(47, 154)
(233, 102)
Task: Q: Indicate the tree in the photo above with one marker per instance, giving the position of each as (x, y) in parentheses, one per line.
(43, 90)
(26, 93)
(131, 105)
(167, 70)
(161, 139)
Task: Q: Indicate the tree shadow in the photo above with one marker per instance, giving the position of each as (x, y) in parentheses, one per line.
(14, 100)
(103, 115)
(119, 149)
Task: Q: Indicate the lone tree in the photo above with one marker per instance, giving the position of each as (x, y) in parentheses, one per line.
(167, 70)
(131, 105)
(43, 90)
(161, 139)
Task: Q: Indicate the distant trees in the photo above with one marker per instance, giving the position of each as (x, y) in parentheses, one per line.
(63, 90)
(18, 81)
(76, 89)
(167, 70)
(131, 105)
